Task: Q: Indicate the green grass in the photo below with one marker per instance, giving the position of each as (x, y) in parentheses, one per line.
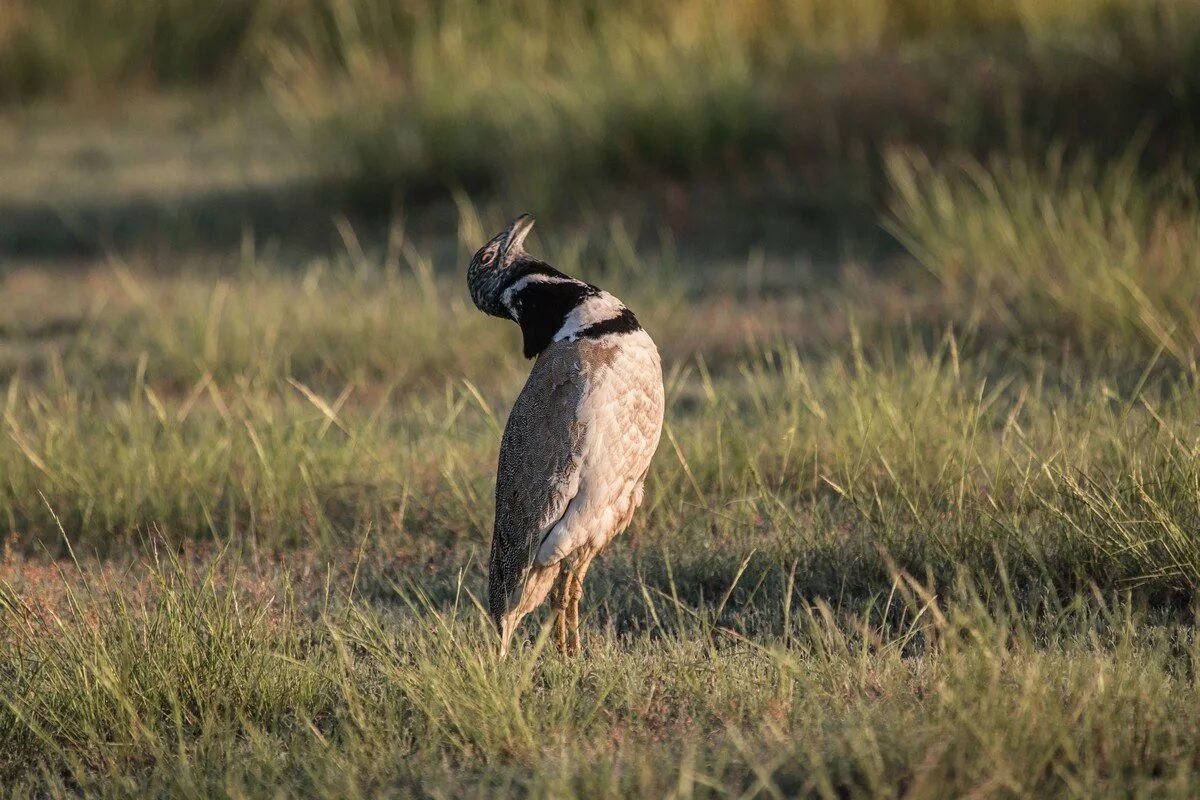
(77, 47)
(520, 99)
(194, 688)
(360, 395)
(72, 47)
(921, 527)
(874, 546)
(1066, 251)
(526, 98)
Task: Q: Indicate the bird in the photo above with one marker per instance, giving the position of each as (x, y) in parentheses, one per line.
(579, 440)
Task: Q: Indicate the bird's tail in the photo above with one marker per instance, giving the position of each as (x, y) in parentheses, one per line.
(507, 625)
(502, 605)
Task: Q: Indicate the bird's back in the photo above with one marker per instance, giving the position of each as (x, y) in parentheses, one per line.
(538, 471)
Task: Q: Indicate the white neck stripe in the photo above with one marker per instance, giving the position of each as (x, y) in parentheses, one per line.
(595, 309)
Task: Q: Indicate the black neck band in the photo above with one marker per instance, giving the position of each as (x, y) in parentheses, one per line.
(625, 322)
(541, 308)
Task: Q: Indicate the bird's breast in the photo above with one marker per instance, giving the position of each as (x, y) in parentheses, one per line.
(624, 404)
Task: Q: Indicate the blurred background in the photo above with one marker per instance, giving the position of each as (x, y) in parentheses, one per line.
(196, 124)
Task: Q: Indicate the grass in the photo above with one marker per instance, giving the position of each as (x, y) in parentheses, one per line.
(521, 98)
(514, 100)
(920, 526)
(1069, 250)
(74, 47)
(80, 48)
(874, 545)
(901, 693)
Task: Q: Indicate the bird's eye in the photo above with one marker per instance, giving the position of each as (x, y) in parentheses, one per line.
(489, 256)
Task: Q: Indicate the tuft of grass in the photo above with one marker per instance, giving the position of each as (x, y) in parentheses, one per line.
(1065, 250)
(119, 677)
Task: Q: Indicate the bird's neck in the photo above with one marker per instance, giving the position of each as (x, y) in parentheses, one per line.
(550, 307)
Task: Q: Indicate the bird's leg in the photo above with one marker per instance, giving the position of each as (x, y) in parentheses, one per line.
(574, 592)
(558, 601)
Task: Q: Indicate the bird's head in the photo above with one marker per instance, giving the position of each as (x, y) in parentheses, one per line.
(497, 264)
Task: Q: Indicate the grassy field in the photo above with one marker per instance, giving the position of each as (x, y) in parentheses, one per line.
(924, 521)
(524, 97)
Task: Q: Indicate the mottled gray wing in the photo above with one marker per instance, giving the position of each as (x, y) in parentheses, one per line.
(539, 468)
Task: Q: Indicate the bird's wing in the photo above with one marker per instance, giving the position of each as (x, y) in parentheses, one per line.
(539, 470)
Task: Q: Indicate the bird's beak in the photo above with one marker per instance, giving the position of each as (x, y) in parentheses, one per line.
(517, 231)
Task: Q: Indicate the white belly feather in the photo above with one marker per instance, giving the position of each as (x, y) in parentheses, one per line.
(622, 412)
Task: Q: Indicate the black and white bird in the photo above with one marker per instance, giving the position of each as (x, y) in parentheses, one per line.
(580, 437)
